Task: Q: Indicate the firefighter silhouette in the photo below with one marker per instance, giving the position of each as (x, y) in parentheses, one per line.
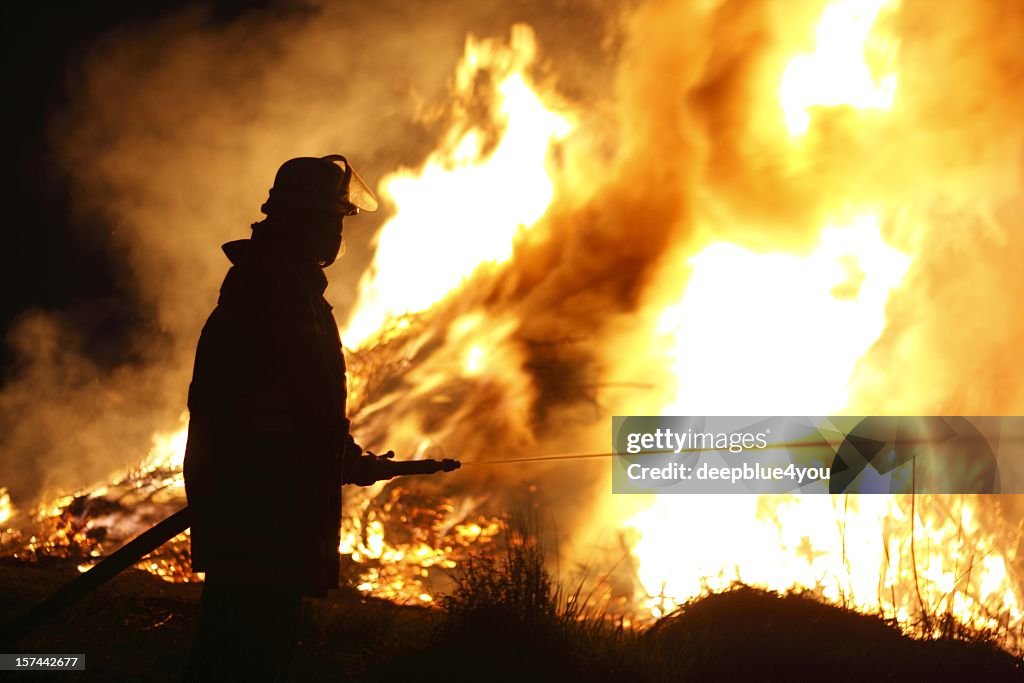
(269, 442)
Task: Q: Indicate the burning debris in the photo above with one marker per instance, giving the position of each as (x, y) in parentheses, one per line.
(393, 540)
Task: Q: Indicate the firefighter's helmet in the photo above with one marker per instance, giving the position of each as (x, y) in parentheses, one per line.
(328, 183)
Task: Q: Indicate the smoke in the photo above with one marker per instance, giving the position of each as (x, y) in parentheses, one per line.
(173, 136)
(952, 346)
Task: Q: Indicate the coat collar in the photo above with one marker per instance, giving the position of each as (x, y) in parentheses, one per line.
(253, 265)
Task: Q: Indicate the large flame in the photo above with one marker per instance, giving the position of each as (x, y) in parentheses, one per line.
(779, 333)
(766, 328)
(464, 207)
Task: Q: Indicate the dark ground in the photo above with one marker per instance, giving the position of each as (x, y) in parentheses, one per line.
(138, 628)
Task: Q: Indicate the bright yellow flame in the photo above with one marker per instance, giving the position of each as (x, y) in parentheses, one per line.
(779, 334)
(168, 448)
(6, 509)
(761, 334)
(847, 549)
(836, 73)
(465, 206)
(474, 360)
(771, 334)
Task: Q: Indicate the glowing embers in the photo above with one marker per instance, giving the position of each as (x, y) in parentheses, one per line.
(86, 525)
(391, 546)
(851, 65)
(392, 541)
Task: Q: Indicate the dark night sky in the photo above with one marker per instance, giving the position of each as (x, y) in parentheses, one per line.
(45, 264)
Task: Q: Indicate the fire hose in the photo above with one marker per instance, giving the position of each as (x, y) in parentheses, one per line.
(144, 544)
(151, 539)
(177, 523)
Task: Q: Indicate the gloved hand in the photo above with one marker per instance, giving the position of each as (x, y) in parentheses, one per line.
(369, 468)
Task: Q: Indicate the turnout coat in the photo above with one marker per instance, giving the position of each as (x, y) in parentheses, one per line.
(267, 428)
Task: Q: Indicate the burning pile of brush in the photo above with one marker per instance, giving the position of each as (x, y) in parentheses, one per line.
(395, 542)
(391, 542)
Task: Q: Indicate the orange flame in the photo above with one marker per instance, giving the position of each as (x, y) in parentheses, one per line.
(464, 207)
(807, 322)
(777, 333)
(836, 73)
(6, 509)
